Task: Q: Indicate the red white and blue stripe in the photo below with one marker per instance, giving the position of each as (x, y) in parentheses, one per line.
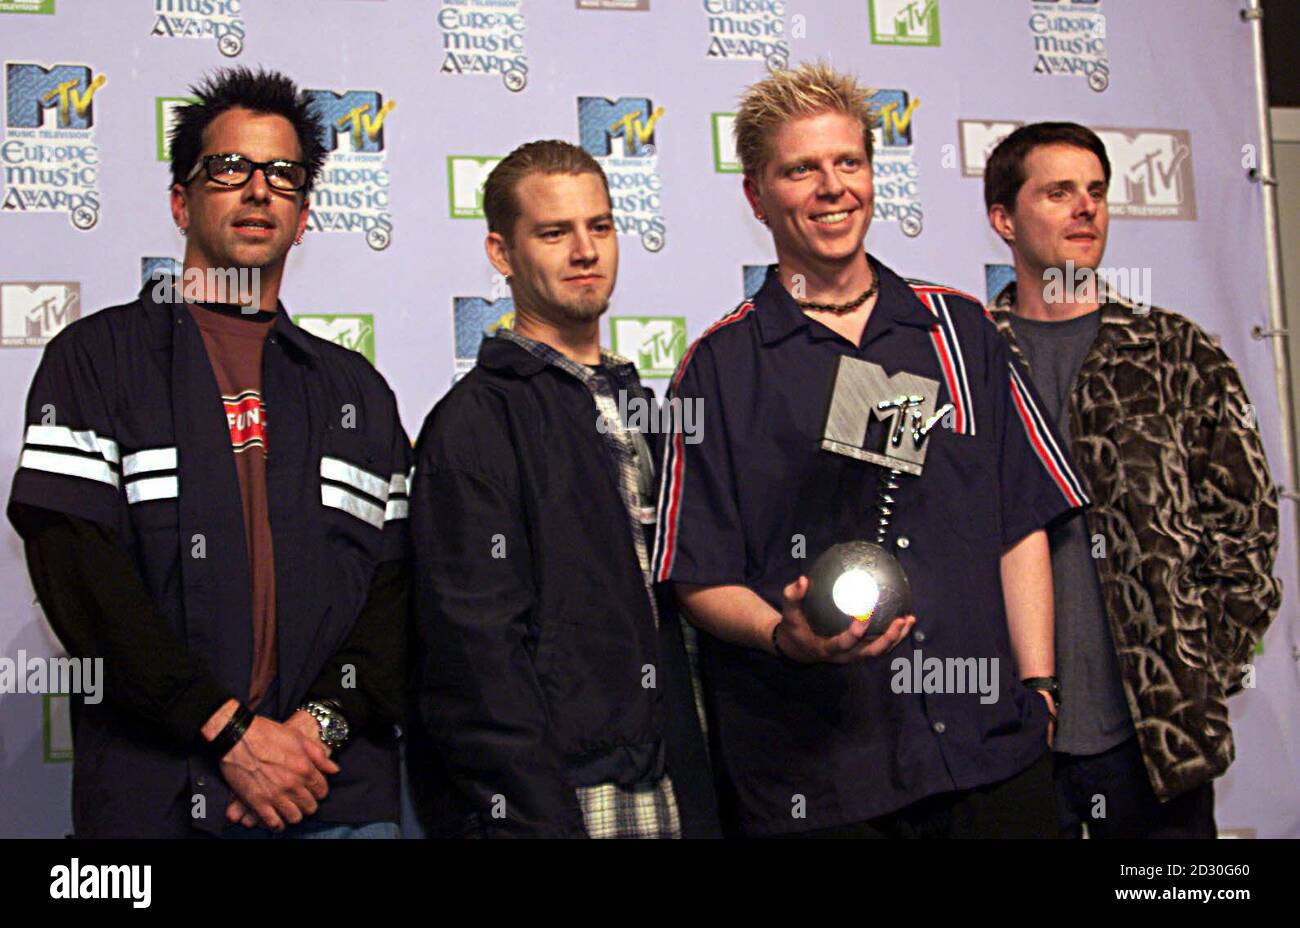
(1043, 443)
(674, 470)
(947, 349)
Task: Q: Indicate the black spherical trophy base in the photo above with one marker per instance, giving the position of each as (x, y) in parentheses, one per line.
(856, 581)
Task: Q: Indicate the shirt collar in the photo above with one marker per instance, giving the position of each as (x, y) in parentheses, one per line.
(163, 316)
(292, 333)
(779, 315)
(506, 349)
(1122, 323)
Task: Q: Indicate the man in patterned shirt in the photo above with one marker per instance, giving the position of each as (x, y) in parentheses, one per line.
(555, 683)
(1164, 586)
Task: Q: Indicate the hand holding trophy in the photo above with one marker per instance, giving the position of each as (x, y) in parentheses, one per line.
(795, 639)
(859, 588)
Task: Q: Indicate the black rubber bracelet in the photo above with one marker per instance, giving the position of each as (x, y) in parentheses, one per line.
(231, 735)
(1049, 685)
(776, 646)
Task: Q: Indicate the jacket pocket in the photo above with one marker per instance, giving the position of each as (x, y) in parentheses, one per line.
(1152, 463)
(1157, 499)
(595, 683)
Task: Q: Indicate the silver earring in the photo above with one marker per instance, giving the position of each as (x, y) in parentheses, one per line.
(182, 230)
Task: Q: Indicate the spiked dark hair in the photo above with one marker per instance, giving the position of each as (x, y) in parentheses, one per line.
(260, 91)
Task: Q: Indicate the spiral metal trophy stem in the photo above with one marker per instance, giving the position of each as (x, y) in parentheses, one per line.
(860, 580)
(886, 504)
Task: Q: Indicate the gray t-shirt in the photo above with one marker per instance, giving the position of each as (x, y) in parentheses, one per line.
(1094, 715)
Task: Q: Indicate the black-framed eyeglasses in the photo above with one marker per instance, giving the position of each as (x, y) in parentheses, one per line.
(234, 170)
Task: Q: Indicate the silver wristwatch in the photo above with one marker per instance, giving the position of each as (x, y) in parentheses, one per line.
(333, 725)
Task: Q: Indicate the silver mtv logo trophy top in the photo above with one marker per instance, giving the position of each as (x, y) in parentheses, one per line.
(862, 390)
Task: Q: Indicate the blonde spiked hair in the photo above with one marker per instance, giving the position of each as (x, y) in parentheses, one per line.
(809, 90)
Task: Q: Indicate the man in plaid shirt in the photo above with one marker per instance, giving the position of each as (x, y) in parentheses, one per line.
(555, 683)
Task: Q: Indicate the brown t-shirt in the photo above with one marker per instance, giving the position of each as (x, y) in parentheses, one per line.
(234, 342)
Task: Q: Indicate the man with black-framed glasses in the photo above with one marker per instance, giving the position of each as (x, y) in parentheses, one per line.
(249, 607)
(231, 169)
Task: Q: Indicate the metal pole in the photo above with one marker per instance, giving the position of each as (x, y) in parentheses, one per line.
(1277, 322)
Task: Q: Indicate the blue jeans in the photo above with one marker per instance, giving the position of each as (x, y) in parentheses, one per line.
(308, 829)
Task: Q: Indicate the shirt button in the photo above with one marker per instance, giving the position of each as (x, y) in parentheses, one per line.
(201, 781)
(918, 636)
(903, 541)
(271, 339)
(939, 728)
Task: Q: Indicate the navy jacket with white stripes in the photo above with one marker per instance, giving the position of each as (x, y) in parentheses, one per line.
(125, 428)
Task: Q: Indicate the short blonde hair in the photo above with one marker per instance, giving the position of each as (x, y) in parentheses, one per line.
(809, 90)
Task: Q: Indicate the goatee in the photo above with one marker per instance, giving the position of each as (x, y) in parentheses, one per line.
(583, 309)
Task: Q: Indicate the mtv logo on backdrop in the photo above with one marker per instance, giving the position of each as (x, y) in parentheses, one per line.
(355, 332)
(33, 313)
(58, 97)
(620, 134)
(1151, 173)
(904, 22)
(654, 343)
(725, 159)
(51, 161)
(27, 6)
(164, 118)
(978, 139)
(474, 318)
(56, 728)
(629, 120)
(895, 109)
(353, 120)
(996, 278)
(352, 193)
(466, 175)
(154, 269)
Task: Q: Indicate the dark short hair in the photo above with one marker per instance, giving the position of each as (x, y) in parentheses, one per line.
(548, 156)
(260, 91)
(1004, 174)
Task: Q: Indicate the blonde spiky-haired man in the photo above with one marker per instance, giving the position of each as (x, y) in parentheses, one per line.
(827, 735)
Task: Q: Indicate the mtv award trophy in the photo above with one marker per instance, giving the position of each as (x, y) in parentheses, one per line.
(860, 580)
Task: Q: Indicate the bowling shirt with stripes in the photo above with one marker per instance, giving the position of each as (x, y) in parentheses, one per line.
(751, 499)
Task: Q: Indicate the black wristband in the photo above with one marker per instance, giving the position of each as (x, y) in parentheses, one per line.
(230, 736)
(776, 646)
(1049, 685)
